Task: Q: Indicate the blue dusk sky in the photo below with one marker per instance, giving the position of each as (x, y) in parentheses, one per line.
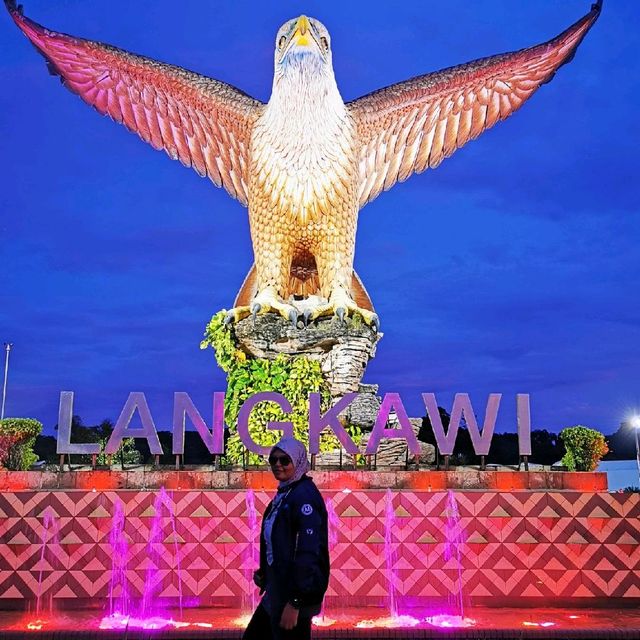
(512, 268)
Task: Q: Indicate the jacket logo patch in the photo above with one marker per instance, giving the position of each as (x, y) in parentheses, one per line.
(306, 509)
(309, 532)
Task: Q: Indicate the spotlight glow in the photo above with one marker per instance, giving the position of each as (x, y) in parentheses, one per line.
(322, 621)
(35, 625)
(391, 622)
(538, 624)
(119, 621)
(242, 621)
(445, 621)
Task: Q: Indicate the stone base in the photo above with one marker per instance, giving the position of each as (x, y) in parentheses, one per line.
(342, 348)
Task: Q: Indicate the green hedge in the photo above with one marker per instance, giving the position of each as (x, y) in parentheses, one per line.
(17, 438)
(294, 377)
(585, 448)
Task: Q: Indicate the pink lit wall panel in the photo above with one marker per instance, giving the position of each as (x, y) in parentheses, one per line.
(522, 547)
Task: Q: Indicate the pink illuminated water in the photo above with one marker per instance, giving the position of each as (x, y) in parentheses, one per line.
(153, 556)
(122, 613)
(333, 524)
(176, 547)
(156, 538)
(597, 623)
(251, 550)
(389, 554)
(455, 540)
(119, 604)
(50, 538)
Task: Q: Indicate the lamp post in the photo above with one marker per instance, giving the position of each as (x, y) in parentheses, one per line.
(635, 423)
(7, 347)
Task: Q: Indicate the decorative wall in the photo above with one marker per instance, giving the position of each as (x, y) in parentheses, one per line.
(521, 547)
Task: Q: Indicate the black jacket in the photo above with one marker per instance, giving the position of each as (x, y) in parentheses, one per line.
(299, 539)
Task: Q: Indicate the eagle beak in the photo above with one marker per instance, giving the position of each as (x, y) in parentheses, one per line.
(304, 35)
(302, 32)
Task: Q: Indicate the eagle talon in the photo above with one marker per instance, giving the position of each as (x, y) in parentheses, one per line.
(306, 316)
(293, 318)
(236, 315)
(340, 312)
(255, 310)
(375, 322)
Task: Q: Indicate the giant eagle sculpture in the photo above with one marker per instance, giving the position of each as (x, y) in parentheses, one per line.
(305, 162)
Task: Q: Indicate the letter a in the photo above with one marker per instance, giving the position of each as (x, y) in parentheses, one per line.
(392, 401)
(135, 402)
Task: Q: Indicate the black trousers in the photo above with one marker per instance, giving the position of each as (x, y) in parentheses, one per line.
(263, 626)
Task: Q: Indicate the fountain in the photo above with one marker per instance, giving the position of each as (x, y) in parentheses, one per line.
(333, 524)
(137, 606)
(120, 607)
(50, 537)
(389, 554)
(118, 604)
(453, 552)
(250, 560)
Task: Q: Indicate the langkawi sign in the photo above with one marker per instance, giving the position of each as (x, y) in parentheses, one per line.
(213, 437)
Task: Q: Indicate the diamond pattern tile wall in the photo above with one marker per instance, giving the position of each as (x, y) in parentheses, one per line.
(519, 546)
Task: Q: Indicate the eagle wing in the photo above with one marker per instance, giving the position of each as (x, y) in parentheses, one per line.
(204, 123)
(413, 125)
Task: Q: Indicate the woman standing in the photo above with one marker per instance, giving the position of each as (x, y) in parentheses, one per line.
(294, 551)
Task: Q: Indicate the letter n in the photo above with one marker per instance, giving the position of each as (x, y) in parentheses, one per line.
(183, 407)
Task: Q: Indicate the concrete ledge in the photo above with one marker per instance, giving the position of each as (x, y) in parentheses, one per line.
(144, 478)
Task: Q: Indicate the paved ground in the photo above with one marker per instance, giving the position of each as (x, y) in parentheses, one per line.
(353, 623)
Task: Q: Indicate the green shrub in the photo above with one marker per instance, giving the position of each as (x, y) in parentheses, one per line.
(17, 438)
(126, 453)
(585, 447)
(294, 377)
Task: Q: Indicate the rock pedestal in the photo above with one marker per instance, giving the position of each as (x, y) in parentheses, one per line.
(343, 349)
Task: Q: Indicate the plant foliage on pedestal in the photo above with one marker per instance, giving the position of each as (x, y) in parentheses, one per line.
(294, 376)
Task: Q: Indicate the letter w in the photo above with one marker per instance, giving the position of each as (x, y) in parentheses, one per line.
(462, 409)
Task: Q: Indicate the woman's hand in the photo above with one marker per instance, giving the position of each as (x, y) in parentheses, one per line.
(258, 580)
(289, 617)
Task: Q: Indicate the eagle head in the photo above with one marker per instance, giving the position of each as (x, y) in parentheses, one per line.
(303, 45)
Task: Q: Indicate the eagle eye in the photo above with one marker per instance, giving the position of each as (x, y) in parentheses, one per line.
(282, 41)
(325, 43)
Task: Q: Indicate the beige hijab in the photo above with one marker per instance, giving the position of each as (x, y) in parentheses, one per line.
(298, 454)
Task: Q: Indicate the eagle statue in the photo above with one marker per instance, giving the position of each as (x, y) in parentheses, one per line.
(305, 162)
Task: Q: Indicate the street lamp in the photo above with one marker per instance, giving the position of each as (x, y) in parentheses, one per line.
(7, 347)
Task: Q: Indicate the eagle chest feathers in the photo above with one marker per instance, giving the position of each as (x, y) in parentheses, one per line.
(303, 169)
